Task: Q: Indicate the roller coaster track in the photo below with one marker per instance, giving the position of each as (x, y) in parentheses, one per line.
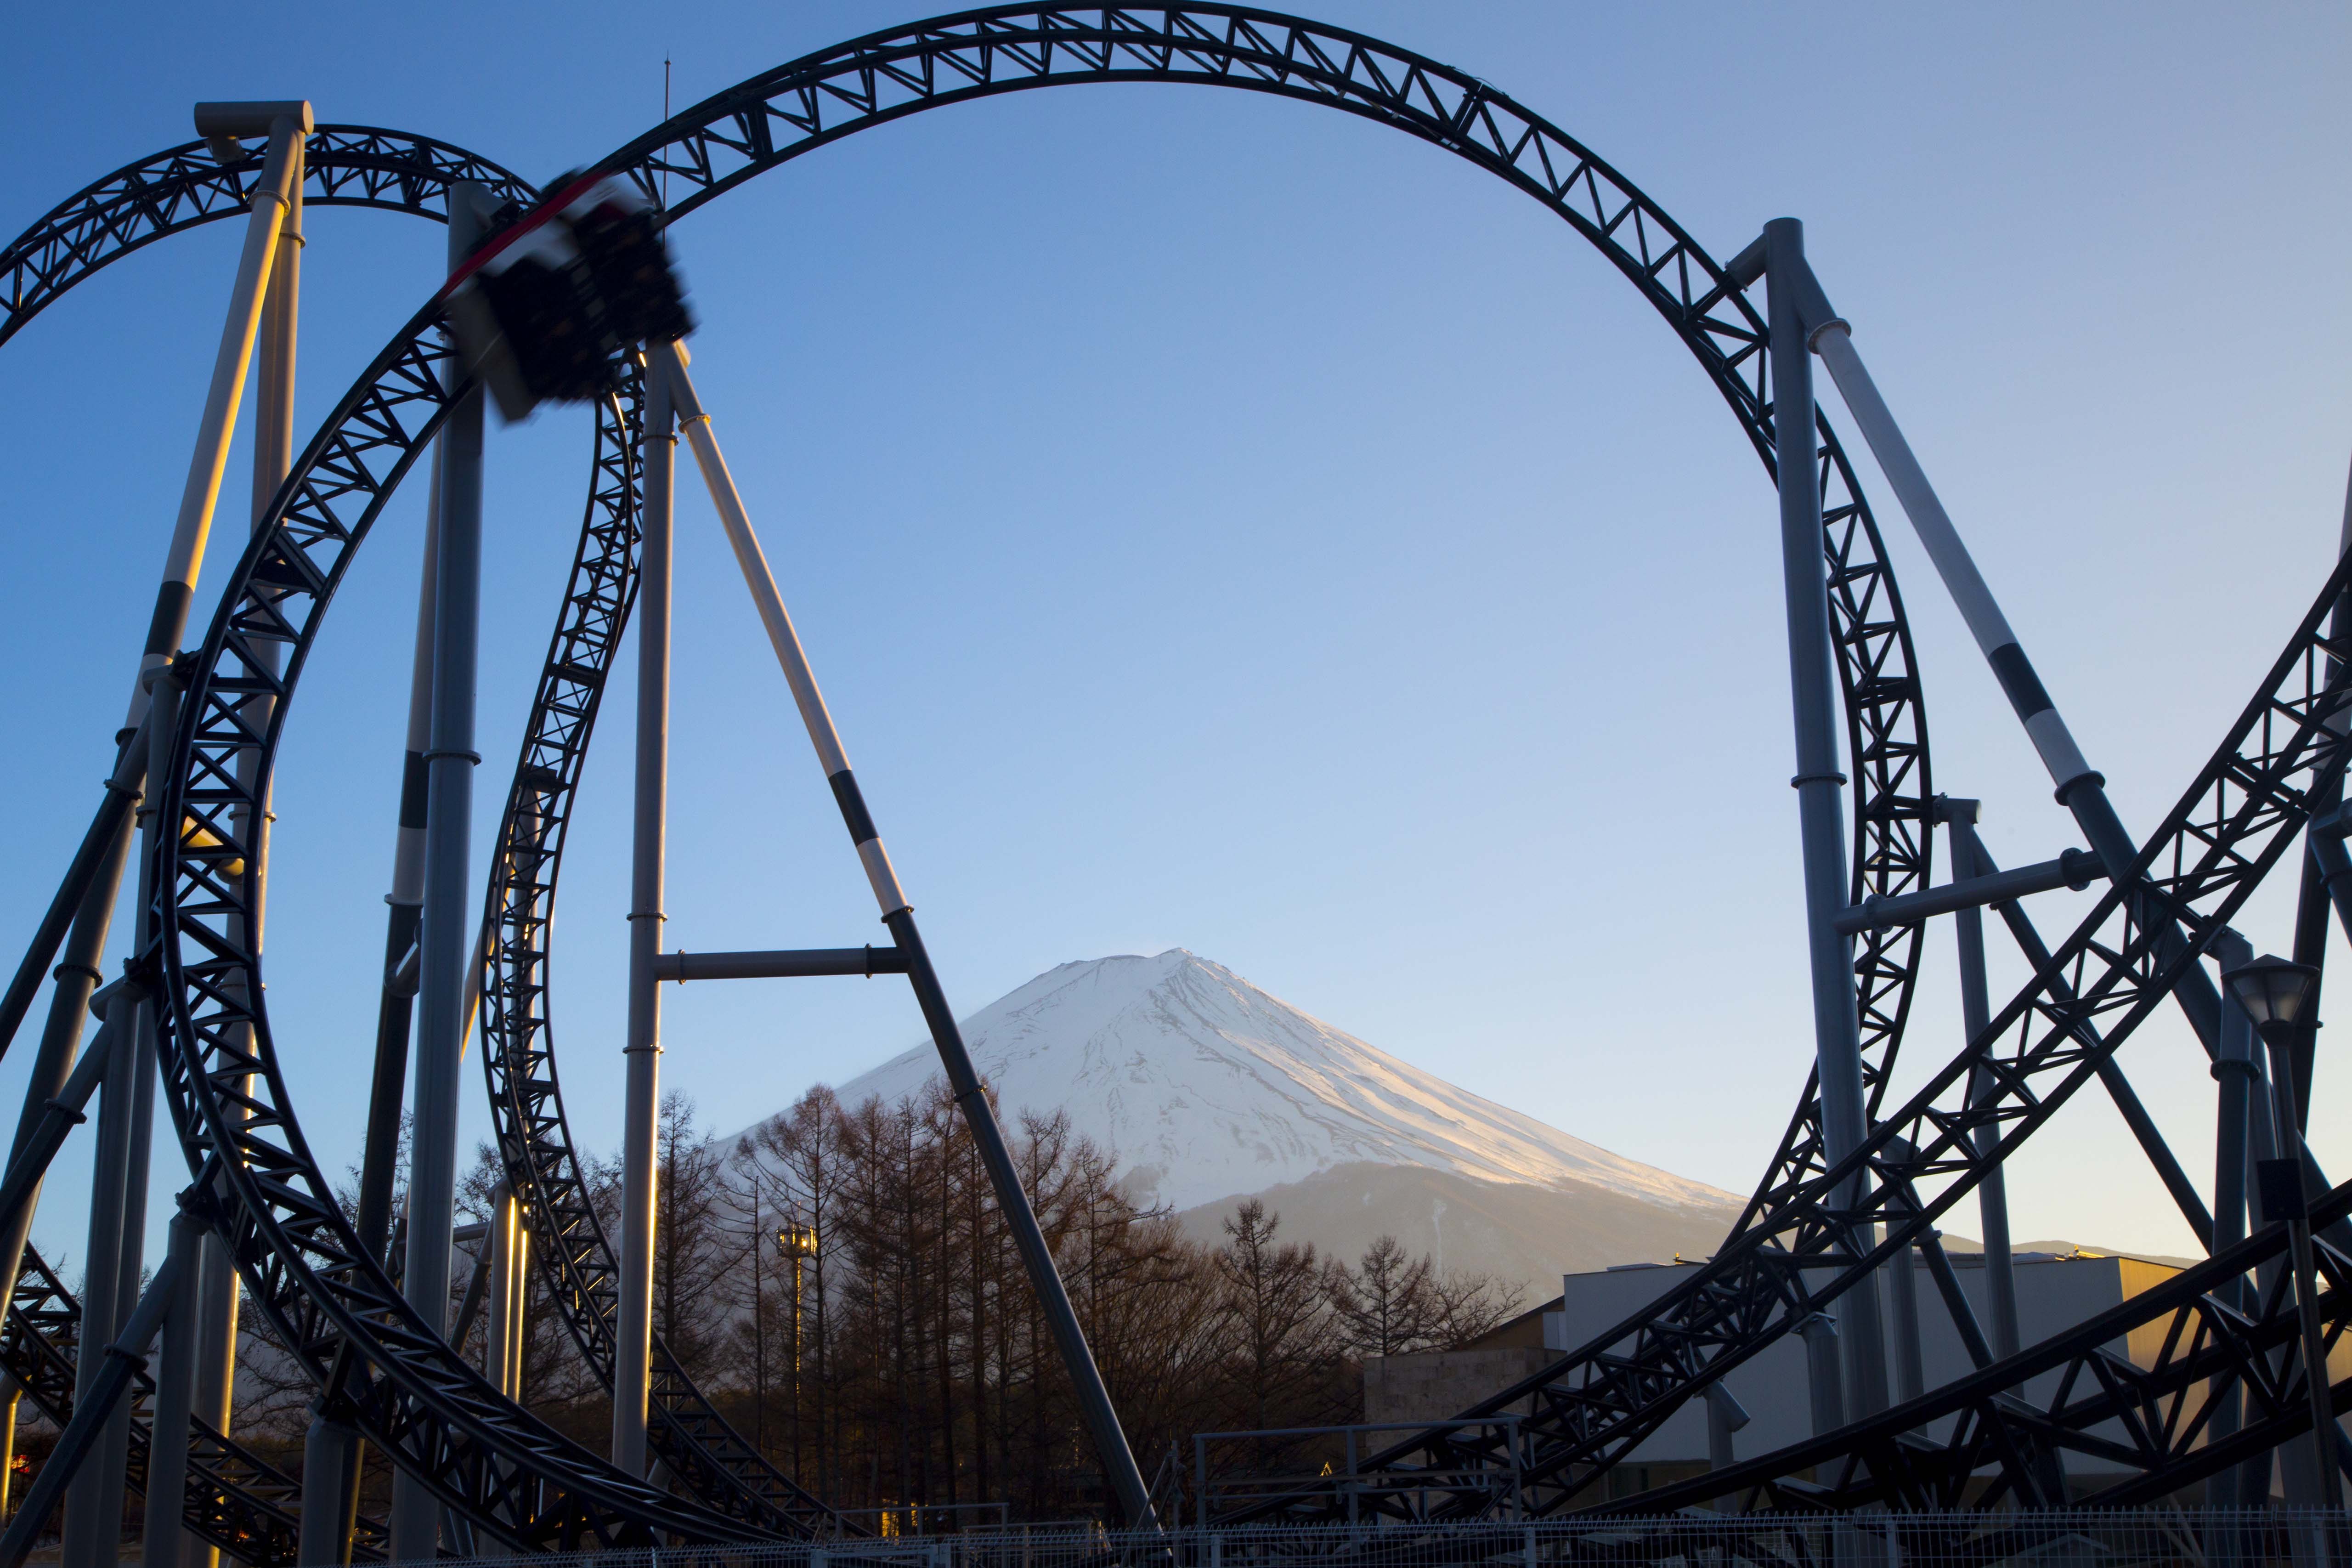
(184, 187)
(237, 1501)
(2285, 753)
(771, 119)
(523, 1484)
(2218, 1336)
(402, 1388)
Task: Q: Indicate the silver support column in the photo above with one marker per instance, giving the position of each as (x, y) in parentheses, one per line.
(215, 1288)
(2238, 1078)
(1824, 1385)
(641, 1118)
(1819, 783)
(118, 1199)
(166, 1539)
(1960, 819)
(1902, 1291)
(444, 935)
(280, 173)
(2079, 786)
(897, 914)
(88, 1542)
(1724, 1417)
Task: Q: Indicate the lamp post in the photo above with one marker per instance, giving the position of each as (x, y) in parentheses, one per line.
(2275, 993)
(797, 1244)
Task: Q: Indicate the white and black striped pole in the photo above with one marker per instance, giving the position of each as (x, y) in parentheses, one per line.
(963, 1081)
(2079, 786)
(286, 124)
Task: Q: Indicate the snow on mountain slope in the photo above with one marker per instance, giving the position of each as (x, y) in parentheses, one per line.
(1207, 1088)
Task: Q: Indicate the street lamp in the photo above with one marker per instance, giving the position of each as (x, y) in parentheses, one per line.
(2277, 994)
(796, 1243)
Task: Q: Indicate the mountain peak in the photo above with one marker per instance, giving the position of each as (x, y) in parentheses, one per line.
(1205, 1086)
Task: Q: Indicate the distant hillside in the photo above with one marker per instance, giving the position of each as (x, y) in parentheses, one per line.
(1525, 1234)
(1208, 1088)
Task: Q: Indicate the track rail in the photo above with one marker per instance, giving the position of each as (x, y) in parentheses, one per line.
(2286, 751)
(771, 119)
(237, 1501)
(400, 1385)
(186, 186)
(2221, 1337)
(711, 1460)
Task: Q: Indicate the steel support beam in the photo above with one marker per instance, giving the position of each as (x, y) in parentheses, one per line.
(641, 1115)
(2237, 1078)
(118, 1362)
(2080, 787)
(1819, 781)
(1053, 1301)
(280, 171)
(448, 923)
(785, 964)
(2126, 1101)
(1960, 819)
(2076, 869)
(166, 1539)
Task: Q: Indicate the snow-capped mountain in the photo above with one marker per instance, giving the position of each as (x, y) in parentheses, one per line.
(1207, 1088)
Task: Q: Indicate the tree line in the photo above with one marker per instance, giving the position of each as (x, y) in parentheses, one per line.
(841, 1283)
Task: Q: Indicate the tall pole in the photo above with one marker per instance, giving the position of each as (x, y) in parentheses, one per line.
(215, 1286)
(337, 1447)
(898, 917)
(118, 1206)
(445, 935)
(272, 195)
(166, 1539)
(2327, 1490)
(88, 1541)
(1819, 785)
(1992, 1192)
(499, 1258)
(641, 1115)
(2236, 1076)
(2080, 788)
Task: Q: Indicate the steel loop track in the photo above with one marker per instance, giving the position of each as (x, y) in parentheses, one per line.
(184, 187)
(235, 1499)
(773, 118)
(404, 1388)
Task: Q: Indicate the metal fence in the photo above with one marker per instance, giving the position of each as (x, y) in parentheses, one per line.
(2135, 1539)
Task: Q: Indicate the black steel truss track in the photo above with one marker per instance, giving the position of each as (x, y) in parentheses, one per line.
(235, 1499)
(406, 1391)
(331, 1302)
(771, 119)
(705, 1455)
(185, 186)
(2219, 1333)
(2239, 816)
(2217, 847)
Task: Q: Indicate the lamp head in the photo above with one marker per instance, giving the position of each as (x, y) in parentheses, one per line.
(2275, 992)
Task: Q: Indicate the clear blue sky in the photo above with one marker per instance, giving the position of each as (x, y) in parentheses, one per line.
(1221, 522)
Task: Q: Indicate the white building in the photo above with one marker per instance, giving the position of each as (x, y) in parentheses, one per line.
(2053, 1293)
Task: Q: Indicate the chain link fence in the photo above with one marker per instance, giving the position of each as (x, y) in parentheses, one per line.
(2135, 1539)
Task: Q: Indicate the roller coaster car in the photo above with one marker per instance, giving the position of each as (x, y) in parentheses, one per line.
(543, 309)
